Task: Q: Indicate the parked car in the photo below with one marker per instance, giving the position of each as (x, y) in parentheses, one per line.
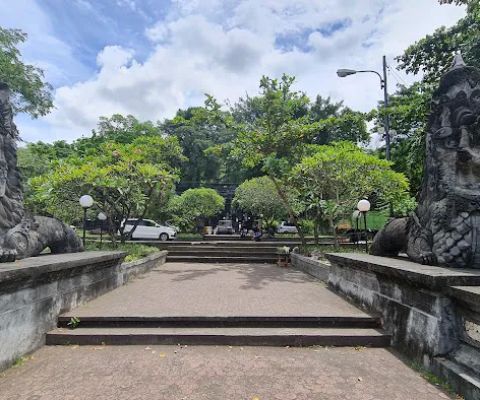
(225, 226)
(286, 227)
(149, 229)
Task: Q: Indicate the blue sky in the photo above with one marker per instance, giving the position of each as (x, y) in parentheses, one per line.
(151, 57)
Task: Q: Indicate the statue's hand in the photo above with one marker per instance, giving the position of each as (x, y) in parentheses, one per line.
(7, 255)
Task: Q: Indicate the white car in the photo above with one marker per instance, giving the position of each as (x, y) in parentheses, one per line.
(149, 229)
(286, 227)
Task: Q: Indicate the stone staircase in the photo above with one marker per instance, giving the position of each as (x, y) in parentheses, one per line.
(233, 331)
(225, 252)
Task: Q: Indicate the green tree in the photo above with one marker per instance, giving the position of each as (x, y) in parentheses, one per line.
(31, 94)
(259, 197)
(280, 134)
(433, 54)
(194, 206)
(125, 180)
(204, 134)
(117, 128)
(332, 180)
(408, 109)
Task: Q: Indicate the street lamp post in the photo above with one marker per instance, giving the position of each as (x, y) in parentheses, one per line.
(342, 73)
(364, 207)
(101, 217)
(86, 201)
(356, 216)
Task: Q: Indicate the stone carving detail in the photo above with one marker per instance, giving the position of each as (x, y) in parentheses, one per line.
(445, 227)
(23, 235)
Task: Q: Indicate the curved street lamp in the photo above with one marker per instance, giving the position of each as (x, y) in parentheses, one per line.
(86, 201)
(363, 207)
(343, 72)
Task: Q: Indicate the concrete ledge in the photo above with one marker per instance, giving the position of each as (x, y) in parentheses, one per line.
(427, 276)
(317, 268)
(410, 297)
(34, 291)
(426, 309)
(134, 268)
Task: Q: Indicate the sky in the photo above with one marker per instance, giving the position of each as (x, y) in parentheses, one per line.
(149, 58)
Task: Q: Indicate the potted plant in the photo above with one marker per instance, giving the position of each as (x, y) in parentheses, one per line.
(283, 256)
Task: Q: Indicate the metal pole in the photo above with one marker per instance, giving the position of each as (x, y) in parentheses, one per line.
(84, 224)
(366, 234)
(386, 120)
(357, 237)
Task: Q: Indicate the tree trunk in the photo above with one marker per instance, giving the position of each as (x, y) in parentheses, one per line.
(315, 231)
(291, 213)
(334, 231)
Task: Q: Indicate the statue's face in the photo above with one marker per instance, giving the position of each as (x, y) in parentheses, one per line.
(456, 138)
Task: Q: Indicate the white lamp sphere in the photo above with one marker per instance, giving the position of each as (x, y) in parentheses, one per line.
(86, 201)
(363, 205)
(356, 214)
(101, 216)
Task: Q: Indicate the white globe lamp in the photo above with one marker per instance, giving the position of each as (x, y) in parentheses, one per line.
(86, 201)
(363, 205)
(101, 217)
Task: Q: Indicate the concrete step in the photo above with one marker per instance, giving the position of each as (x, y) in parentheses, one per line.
(219, 336)
(229, 259)
(222, 253)
(223, 249)
(353, 321)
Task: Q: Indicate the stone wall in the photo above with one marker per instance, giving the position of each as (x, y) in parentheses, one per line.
(35, 291)
(317, 268)
(432, 313)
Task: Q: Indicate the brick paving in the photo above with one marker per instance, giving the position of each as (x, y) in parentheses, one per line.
(214, 373)
(189, 289)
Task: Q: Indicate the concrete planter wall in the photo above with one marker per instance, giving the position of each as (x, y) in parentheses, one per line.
(317, 268)
(34, 291)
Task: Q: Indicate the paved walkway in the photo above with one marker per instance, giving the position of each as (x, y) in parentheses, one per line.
(214, 373)
(184, 289)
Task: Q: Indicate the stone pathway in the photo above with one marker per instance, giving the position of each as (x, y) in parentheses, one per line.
(191, 289)
(173, 372)
(214, 373)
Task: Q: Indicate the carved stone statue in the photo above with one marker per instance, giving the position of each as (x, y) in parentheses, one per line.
(445, 227)
(22, 235)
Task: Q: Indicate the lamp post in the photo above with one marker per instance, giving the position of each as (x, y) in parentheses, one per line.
(364, 207)
(101, 217)
(342, 73)
(86, 201)
(356, 216)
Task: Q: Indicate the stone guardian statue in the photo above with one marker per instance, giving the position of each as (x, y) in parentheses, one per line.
(23, 235)
(445, 227)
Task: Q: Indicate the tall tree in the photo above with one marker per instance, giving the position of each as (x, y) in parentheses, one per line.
(280, 133)
(31, 94)
(433, 54)
(332, 180)
(125, 180)
(204, 133)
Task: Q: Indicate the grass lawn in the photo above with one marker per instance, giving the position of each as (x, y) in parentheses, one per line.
(134, 251)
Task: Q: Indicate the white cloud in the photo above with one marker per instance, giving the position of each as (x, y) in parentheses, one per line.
(224, 48)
